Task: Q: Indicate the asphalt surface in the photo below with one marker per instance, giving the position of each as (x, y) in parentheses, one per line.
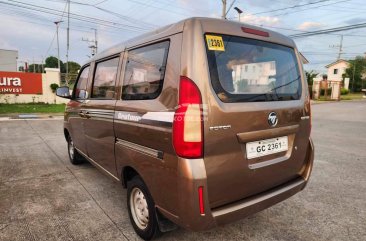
(44, 197)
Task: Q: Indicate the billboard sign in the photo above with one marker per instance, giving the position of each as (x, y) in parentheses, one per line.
(20, 83)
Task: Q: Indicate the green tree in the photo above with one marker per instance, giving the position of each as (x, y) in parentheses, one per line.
(52, 62)
(73, 67)
(356, 72)
(36, 68)
(310, 75)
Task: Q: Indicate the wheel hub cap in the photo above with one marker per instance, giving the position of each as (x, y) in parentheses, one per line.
(139, 208)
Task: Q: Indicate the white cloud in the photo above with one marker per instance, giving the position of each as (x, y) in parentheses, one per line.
(259, 20)
(310, 25)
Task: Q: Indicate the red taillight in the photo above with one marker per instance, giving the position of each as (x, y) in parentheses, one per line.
(188, 123)
(255, 32)
(201, 201)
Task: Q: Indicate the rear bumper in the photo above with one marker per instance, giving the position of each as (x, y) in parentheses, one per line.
(193, 175)
(244, 208)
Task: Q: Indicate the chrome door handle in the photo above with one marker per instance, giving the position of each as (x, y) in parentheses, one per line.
(87, 114)
(82, 114)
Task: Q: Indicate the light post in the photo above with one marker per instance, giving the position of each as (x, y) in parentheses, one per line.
(58, 45)
(239, 11)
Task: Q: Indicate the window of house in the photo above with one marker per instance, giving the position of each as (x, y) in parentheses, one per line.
(105, 79)
(335, 71)
(80, 91)
(145, 72)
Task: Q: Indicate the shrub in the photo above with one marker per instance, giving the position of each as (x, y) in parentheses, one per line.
(54, 87)
(344, 91)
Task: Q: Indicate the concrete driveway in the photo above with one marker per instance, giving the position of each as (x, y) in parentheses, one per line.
(43, 197)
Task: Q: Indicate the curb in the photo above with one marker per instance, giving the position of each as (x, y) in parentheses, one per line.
(31, 117)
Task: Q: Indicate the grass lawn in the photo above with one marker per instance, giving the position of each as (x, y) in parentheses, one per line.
(31, 108)
(350, 96)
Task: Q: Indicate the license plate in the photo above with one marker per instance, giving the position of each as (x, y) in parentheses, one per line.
(266, 147)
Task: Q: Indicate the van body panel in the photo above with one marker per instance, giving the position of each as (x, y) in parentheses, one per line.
(231, 176)
(74, 123)
(153, 131)
(99, 132)
(120, 134)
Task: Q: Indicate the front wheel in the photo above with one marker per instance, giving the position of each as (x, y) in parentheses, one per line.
(141, 209)
(74, 155)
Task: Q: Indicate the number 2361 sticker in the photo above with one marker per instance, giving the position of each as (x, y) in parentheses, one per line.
(215, 43)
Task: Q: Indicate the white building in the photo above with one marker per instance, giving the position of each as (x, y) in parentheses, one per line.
(8, 60)
(255, 74)
(337, 69)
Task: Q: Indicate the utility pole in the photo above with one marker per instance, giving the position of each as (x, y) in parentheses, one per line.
(340, 48)
(68, 43)
(95, 40)
(93, 43)
(223, 9)
(353, 78)
(42, 64)
(58, 45)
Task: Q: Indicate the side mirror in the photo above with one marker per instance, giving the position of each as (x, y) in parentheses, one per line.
(63, 92)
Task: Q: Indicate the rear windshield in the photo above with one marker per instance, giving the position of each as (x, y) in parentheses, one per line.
(244, 70)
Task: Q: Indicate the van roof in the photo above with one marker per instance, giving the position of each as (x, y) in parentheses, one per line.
(211, 25)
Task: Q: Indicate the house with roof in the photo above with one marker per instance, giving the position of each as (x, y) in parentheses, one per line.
(337, 69)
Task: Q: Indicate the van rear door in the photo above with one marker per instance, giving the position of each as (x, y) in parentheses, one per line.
(255, 132)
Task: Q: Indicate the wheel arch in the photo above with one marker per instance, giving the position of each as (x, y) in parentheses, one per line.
(127, 174)
(66, 134)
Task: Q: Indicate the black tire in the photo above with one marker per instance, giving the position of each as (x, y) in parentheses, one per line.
(74, 155)
(151, 230)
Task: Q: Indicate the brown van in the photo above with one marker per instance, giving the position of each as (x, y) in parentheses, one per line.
(205, 122)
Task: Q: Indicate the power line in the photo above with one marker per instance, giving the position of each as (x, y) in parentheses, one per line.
(329, 30)
(79, 17)
(291, 7)
(53, 39)
(305, 9)
(129, 19)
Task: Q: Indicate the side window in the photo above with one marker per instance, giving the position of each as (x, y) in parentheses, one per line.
(145, 72)
(105, 79)
(81, 85)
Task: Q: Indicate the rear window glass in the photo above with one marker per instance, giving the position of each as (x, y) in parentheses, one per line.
(145, 72)
(244, 70)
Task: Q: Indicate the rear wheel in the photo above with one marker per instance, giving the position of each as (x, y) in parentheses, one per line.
(74, 155)
(141, 209)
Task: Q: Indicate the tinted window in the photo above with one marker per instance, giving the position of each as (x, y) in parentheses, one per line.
(253, 70)
(145, 72)
(105, 79)
(81, 85)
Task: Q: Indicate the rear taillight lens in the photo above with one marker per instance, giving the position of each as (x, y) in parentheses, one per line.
(201, 200)
(188, 122)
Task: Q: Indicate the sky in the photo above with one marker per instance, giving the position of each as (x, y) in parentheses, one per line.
(28, 25)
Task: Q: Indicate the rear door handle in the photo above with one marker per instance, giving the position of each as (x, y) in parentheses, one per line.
(82, 114)
(87, 114)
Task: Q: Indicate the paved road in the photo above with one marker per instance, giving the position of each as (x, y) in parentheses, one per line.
(43, 197)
